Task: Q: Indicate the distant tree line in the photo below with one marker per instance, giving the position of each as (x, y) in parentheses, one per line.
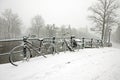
(10, 27)
(39, 29)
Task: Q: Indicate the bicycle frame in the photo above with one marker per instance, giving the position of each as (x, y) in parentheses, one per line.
(29, 45)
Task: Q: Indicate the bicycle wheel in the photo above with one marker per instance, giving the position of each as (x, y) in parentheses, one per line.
(45, 49)
(18, 55)
(51, 49)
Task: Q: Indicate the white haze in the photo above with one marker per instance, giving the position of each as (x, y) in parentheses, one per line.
(59, 12)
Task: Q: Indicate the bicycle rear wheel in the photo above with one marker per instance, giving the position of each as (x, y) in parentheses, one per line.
(18, 55)
(51, 49)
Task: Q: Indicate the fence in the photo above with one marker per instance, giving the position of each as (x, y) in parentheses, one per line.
(7, 44)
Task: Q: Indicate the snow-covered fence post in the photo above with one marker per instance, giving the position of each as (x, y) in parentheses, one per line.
(72, 41)
(53, 40)
(41, 41)
(83, 40)
(91, 42)
(54, 44)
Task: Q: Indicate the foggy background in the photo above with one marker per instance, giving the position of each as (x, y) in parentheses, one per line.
(70, 15)
(57, 12)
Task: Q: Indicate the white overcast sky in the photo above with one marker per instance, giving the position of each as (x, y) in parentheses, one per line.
(73, 12)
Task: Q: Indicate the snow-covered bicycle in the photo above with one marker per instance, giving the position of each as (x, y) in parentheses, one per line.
(24, 52)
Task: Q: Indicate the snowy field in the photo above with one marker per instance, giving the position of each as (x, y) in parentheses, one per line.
(86, 64)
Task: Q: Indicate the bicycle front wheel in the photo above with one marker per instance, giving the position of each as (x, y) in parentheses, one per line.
(18, 55)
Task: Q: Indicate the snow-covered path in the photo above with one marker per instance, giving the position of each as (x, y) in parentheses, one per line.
(86, 64)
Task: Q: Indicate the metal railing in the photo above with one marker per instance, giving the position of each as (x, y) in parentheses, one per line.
(85, 42)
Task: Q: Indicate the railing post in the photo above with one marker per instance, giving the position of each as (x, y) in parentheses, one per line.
(41, 41)
(53, 40)
(71, 41)
(91, 42)
(83, 40)
(54, 44)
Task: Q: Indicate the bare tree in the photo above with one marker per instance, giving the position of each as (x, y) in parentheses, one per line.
(104, 16)
(10, 24)
(37, 25)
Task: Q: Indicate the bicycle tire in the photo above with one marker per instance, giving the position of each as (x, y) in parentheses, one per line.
(17, 55)
(51, 49)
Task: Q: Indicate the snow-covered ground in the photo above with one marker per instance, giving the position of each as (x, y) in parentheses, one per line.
(86, 64)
